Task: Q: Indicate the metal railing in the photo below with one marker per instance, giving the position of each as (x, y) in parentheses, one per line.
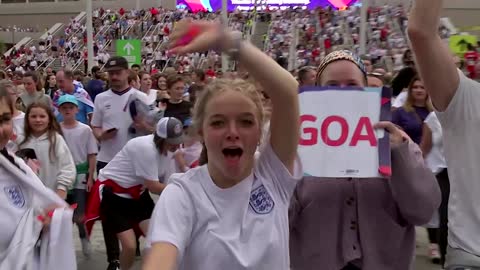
(266, 41)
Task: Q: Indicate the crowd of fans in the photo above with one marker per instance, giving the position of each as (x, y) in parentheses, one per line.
(314, 33)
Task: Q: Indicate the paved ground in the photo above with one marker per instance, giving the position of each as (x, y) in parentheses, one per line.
(98, 260)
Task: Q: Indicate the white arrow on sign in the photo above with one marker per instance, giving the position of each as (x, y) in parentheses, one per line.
(128, 48)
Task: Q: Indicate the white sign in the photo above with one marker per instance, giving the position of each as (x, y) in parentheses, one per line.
(337, 134)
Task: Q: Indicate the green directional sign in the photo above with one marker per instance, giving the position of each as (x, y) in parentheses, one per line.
(131, 49)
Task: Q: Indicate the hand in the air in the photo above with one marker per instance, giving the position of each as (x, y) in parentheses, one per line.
(200, 35)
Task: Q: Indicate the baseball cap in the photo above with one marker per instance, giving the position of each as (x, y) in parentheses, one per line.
(67, 99)
(170, 129)
(116, 63)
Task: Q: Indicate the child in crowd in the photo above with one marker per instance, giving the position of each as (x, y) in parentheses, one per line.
(44, 135)
(83, 146)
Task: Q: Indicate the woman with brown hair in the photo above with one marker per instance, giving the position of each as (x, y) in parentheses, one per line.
(146, 86)
(34, 90)
(411, 117)
(412, 114)
(162, 87)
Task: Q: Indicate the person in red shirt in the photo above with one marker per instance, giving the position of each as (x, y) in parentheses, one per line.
(210, 72)
(166, 30)
(471, 59)
(121, 11)
(327, 44)
(384, 33)
(315, 54)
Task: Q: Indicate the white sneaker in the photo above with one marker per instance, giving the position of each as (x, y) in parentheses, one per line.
(86, 248)
(434, 254)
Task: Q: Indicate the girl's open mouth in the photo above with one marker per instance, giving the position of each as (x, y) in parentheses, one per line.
(232, 155)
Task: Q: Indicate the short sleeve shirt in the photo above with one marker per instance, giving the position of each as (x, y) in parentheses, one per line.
(241, 227)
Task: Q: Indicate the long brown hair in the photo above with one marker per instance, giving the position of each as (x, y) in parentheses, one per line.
(408, 106)
(36, 79)
(53, 127)
(5, 95)
(160, 144)
(156, 79)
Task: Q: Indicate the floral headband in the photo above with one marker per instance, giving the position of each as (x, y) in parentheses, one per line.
(341, 55)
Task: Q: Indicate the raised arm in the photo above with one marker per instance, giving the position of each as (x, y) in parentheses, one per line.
(434, 60)
(277, 82)
(282, 88)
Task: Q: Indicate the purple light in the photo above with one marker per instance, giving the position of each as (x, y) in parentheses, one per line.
(215, 5)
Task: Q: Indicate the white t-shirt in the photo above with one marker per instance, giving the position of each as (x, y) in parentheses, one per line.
(190, 154)
(81, 142)
(138, 161)
(111, 111)
(152, 96)
(158, 55)
(435, 159)
(461, 126)
(400, 99)
(16, 199)
(242, 227)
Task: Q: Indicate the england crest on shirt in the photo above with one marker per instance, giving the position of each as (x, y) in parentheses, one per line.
(261, 201)
(15, 195)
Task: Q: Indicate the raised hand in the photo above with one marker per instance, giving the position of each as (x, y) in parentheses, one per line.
(190, 36)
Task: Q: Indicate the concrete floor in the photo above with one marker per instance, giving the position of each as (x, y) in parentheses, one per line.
(98, 260)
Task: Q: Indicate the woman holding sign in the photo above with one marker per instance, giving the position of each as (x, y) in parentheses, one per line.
(368, 223)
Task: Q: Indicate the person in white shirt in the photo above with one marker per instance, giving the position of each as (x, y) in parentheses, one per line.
(13, 207)
(432, 149)
(232, 213)
(456, 99)
(44, 135)
(18, 116)
(24, 198)
(143, 165)
(188, 155)
(400, 100)
(146, 86)
(111, 122)
(49, 38)
(83, 146)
